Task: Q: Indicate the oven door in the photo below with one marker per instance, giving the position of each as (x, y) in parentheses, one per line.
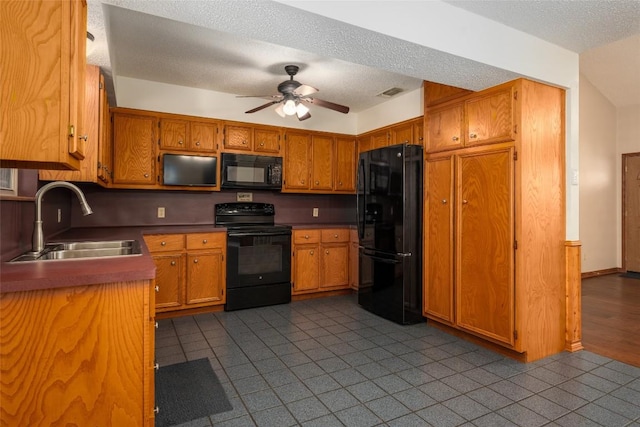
(258, 258)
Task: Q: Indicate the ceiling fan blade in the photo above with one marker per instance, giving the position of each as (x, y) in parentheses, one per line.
(262, 107)
(304, 90)
(327, 104)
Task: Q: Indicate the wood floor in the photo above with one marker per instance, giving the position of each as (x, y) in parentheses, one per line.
(611, 317)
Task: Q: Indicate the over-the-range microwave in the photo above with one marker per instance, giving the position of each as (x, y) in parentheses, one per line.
(244, 171)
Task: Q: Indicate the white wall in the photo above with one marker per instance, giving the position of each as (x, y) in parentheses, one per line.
(599, 207)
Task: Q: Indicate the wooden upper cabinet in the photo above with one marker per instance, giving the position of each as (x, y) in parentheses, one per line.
(266, 140)
(322, 162)
(490, 118)
(105, 143)
(177, 134)
(345, 164)
(92, 126)
(418, 131)
(380, 139)
(444, 128)
(297, 154)
(173, 134)
(43, 63)
(401, 134)
(238, 137)
(203, 137)
(134, 140)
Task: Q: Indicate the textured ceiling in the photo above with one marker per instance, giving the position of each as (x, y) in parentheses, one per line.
(239, 47)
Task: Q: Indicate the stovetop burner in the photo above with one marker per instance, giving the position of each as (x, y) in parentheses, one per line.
(247, 216)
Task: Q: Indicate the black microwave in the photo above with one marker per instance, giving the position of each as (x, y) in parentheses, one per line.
(244, 171)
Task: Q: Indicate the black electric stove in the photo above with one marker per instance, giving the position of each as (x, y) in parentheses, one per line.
(258, 255)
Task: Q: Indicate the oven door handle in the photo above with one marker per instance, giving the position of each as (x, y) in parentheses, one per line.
(257, 233)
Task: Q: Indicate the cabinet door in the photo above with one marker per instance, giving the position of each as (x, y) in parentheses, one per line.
(345, 165)
(174, 134)
(334, 270)
(105, 146)
(444, 128)
(380, 139)
(485, 239)
(438, 239)
(266, 140)
(203, 137)
(205, 277)
(91, 127)
(238, 137)
(402, 134)
(418, 132)
(169, 280)
(490, 118)
(133, 149)
(296, 161)
(322, 163)
(306, 261)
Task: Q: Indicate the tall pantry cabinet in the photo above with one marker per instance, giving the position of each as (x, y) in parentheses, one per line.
(494, 216)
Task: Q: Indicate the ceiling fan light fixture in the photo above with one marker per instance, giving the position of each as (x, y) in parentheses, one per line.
(289, 107)
(301, 110)
(279, 110)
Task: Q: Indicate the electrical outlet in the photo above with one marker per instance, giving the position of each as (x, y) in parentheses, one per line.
(315, 212)
(59, 216)
(161, 212)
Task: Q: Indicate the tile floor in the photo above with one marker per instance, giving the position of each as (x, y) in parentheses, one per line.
(327, 362)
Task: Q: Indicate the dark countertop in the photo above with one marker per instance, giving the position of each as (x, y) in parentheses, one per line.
(40, 275)
(304, 226)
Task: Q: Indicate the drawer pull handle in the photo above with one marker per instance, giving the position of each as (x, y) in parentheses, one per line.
(306, 236)
(473, 135)
(163, 244)
(335, 236)
(204, 241)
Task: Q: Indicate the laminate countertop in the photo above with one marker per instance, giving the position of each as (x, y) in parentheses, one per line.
(51, 274)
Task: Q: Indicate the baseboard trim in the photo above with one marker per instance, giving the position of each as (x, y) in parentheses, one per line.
(596, 273)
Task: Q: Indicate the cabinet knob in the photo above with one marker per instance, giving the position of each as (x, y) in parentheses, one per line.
(197, 143)
(173, 263)
(84, 137)
(180, 143)
(156, 366)
(195, 261)
(156, 410)
(244, 142)
(155, 325)
(340, 183)
(262, 144)
(335, 236)
(306, 236)
(163, 243)
(444, 201)
(204, 241)
(311, 252)
(317, 182)
(146, 175)
(302, 181)
(473, 135)
(327, 252)
(455, 138)
(465, 201)
(157, 288)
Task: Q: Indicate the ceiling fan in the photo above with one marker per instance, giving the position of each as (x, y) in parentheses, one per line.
(293, 96)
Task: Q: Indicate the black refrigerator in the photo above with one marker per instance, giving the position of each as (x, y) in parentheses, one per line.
(389, 200)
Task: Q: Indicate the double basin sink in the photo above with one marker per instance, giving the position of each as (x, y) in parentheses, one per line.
(82, 250)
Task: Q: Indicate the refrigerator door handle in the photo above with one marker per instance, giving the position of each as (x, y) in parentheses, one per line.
(361, 207)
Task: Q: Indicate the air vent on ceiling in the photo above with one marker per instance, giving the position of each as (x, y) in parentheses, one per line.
(390, 92)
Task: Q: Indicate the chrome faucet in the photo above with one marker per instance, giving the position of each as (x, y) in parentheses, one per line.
(37, 242)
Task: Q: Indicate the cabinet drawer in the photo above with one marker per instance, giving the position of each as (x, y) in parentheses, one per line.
(335, 235)
(306, 236)
(205, 240)
(164, 242)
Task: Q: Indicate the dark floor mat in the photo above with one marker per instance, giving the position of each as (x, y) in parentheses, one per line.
(188, 391)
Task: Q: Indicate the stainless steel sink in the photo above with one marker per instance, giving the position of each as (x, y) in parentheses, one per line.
(82, 250)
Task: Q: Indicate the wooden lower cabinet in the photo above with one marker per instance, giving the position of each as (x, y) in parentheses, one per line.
(320, 260)
(80, 355)
(494, 226)
(190, 269)
(354, 265)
